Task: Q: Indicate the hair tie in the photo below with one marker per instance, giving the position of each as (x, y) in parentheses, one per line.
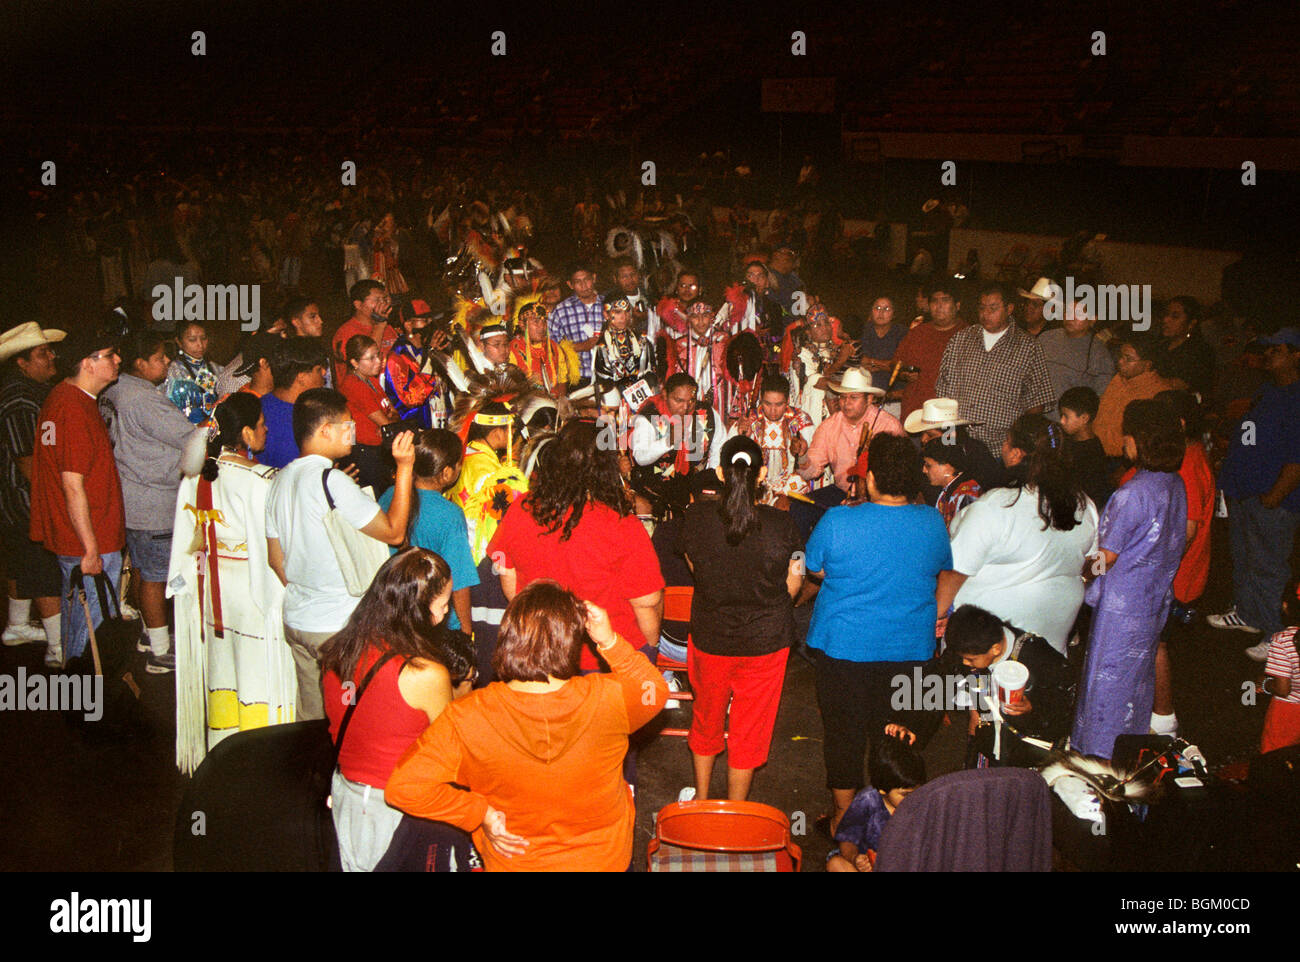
(741, 456)
(1051, 434)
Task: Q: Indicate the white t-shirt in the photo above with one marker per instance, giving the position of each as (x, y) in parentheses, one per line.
(991, 339)
(1028, 577)
(316, 598)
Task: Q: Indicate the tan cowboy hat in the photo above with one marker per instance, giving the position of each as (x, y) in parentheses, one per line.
(940, 412)
(1041, 291)
(855, 381)
(24, 337)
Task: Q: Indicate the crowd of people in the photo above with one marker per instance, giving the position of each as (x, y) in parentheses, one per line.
(469, 502)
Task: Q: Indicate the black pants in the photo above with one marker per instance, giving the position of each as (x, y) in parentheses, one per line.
(854, 699)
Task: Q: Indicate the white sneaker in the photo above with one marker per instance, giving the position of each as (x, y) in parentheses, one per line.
(1230, 619)
(23, 635)
(54, 656)
(129, 613)
(687, 794)
(673, 685)
(1258, 652)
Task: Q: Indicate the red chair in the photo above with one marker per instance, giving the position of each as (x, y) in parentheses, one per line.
(722, 836)
(677, 607)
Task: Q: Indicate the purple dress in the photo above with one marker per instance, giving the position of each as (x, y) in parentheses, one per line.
(1145, 524)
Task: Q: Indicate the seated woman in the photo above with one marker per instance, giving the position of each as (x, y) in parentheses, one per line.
(747, 571)
(397, 623)
(532, 764)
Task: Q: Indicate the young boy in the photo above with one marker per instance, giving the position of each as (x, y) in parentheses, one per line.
(1083, 448)
(316, 600)
(945, 468)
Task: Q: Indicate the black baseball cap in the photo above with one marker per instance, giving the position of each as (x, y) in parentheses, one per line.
(82, 342)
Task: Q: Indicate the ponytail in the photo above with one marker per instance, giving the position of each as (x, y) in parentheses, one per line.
(232, 415)
(742, 459)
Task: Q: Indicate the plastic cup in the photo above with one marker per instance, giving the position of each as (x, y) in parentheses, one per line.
(1009, 680)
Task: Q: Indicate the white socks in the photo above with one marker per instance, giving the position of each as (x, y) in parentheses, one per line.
(159, 641)
(53, 630)
(20, 610)
(1164, 724)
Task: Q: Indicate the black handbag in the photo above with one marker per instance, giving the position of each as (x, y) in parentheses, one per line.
(107, 659)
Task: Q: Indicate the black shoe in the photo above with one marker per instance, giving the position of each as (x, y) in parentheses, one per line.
(160, 664)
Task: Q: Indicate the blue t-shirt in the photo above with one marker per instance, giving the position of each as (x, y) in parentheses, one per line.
(864, 822)
(881, 566)
(440, 527)
(281, 448)
(1265, 440)
(881, 349)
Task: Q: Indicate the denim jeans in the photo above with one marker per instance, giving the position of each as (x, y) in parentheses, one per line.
(1260, 539)
(75, 633)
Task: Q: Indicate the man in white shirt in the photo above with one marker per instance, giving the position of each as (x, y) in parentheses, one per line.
(316, 600)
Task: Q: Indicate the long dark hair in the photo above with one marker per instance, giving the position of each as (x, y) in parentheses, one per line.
(1046, 468)
(435, 449)
(741, 461)
(393, 614)
(239, 411)
(578, 468)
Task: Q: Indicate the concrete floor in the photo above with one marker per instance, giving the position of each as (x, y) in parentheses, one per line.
(72, 805)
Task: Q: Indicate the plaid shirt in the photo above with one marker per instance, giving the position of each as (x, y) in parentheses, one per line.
(993, 388)
(20, 407)
(574, 321)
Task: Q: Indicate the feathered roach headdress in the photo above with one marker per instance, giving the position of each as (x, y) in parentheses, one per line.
(508, 386)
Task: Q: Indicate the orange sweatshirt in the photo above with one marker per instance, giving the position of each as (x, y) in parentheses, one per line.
(1109, 422)
(552, 762)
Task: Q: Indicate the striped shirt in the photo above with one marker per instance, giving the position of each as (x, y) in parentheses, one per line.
(20, 406)
(575, 321)
(994, 387)
(1284, 662)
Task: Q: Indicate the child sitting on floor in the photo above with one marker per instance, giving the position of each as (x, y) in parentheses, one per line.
(896, 769)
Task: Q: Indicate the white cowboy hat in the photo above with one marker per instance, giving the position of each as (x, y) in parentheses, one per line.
(1041, 291)
(940, 412)
(24, 337)
(855, 381)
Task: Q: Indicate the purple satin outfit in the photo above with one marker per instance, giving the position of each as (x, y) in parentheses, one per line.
(1145, 524)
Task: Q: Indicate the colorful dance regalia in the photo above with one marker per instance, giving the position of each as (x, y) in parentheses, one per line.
(748, 310)
(192, 386)
(416, 395)
(775, 438)
(486, 488)
(810, 362)
(705, 359)
(547, 363)
(665, 481)
(234, 670)
(621, 358)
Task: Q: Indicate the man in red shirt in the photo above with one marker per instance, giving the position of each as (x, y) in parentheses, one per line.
(923, 345)
(77, 508)
(370, 307)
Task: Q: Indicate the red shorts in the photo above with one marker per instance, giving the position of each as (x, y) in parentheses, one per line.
(1281, 726)
(752, 684)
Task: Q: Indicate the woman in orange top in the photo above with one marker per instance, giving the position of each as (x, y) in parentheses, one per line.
(540, 751)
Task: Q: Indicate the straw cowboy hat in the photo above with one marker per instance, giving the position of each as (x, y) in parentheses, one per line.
(24, 337)
(855, 381)
(940, 412)
(1041, 291)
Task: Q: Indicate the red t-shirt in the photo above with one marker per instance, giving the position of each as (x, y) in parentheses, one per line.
(922, 347)
(1198, 479)
(78, 442)
(364, 398)
(350, 329)
(608, 560)
(383, 726)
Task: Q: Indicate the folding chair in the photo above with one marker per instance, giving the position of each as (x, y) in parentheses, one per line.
(722, 836)
(677, 607)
